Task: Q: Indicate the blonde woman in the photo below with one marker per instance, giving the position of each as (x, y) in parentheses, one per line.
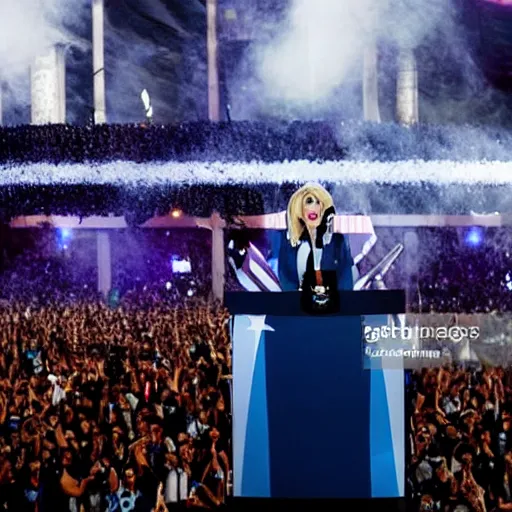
(311, 255)
(307, 243)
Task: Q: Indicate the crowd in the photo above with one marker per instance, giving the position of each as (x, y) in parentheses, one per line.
(125, 405)
(240, 141)
(470, 273)
(246, 141)
(460, 439)
(114, 410)
(142, 264)
(451, 270)
(39, 267)
(448, 274)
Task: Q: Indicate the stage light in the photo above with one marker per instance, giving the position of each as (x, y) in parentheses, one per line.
(144, 95)
(65, 233)
(190, 293)
(474, 237)
(176, 214)
(168, 286)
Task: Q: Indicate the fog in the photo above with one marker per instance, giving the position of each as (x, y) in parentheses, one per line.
(285, 59)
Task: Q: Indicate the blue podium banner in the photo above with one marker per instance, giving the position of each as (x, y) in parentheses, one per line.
(309, 420)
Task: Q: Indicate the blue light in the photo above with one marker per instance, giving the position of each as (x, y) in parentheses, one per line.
(474, 237)
(65, 233)
(64, 236)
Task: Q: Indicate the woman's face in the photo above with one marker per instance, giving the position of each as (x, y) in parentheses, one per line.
(311, 211)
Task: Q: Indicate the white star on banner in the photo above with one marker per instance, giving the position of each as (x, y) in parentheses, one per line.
(258, 325)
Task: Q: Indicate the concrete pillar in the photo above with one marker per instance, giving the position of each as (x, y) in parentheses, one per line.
(104, 262)
(213, 63)
(48, 86)
(98, 61)
(407, 88)
(218, 257)
(371, 84)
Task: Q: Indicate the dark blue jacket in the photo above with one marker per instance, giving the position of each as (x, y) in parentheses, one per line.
(336, 256)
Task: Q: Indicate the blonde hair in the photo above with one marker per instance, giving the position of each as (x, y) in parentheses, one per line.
(296, 223)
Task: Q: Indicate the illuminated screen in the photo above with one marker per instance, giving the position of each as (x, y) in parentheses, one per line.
(181, 266)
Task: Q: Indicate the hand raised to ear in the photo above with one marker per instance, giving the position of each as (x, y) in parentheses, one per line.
(325, 226)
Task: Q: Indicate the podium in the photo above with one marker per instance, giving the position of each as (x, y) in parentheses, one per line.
(308, 420)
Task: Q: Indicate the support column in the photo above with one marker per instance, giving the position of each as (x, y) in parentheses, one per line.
(218, 257)
(48, 87)
(371, 84)
(213, 64)
(407, 88)
(104, 262)
(98, 61)
(61, 83)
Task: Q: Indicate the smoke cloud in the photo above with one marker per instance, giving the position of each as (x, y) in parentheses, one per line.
(303, 61)
(30, 26)
(318, 48)
(158, 45)
(311, 64)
